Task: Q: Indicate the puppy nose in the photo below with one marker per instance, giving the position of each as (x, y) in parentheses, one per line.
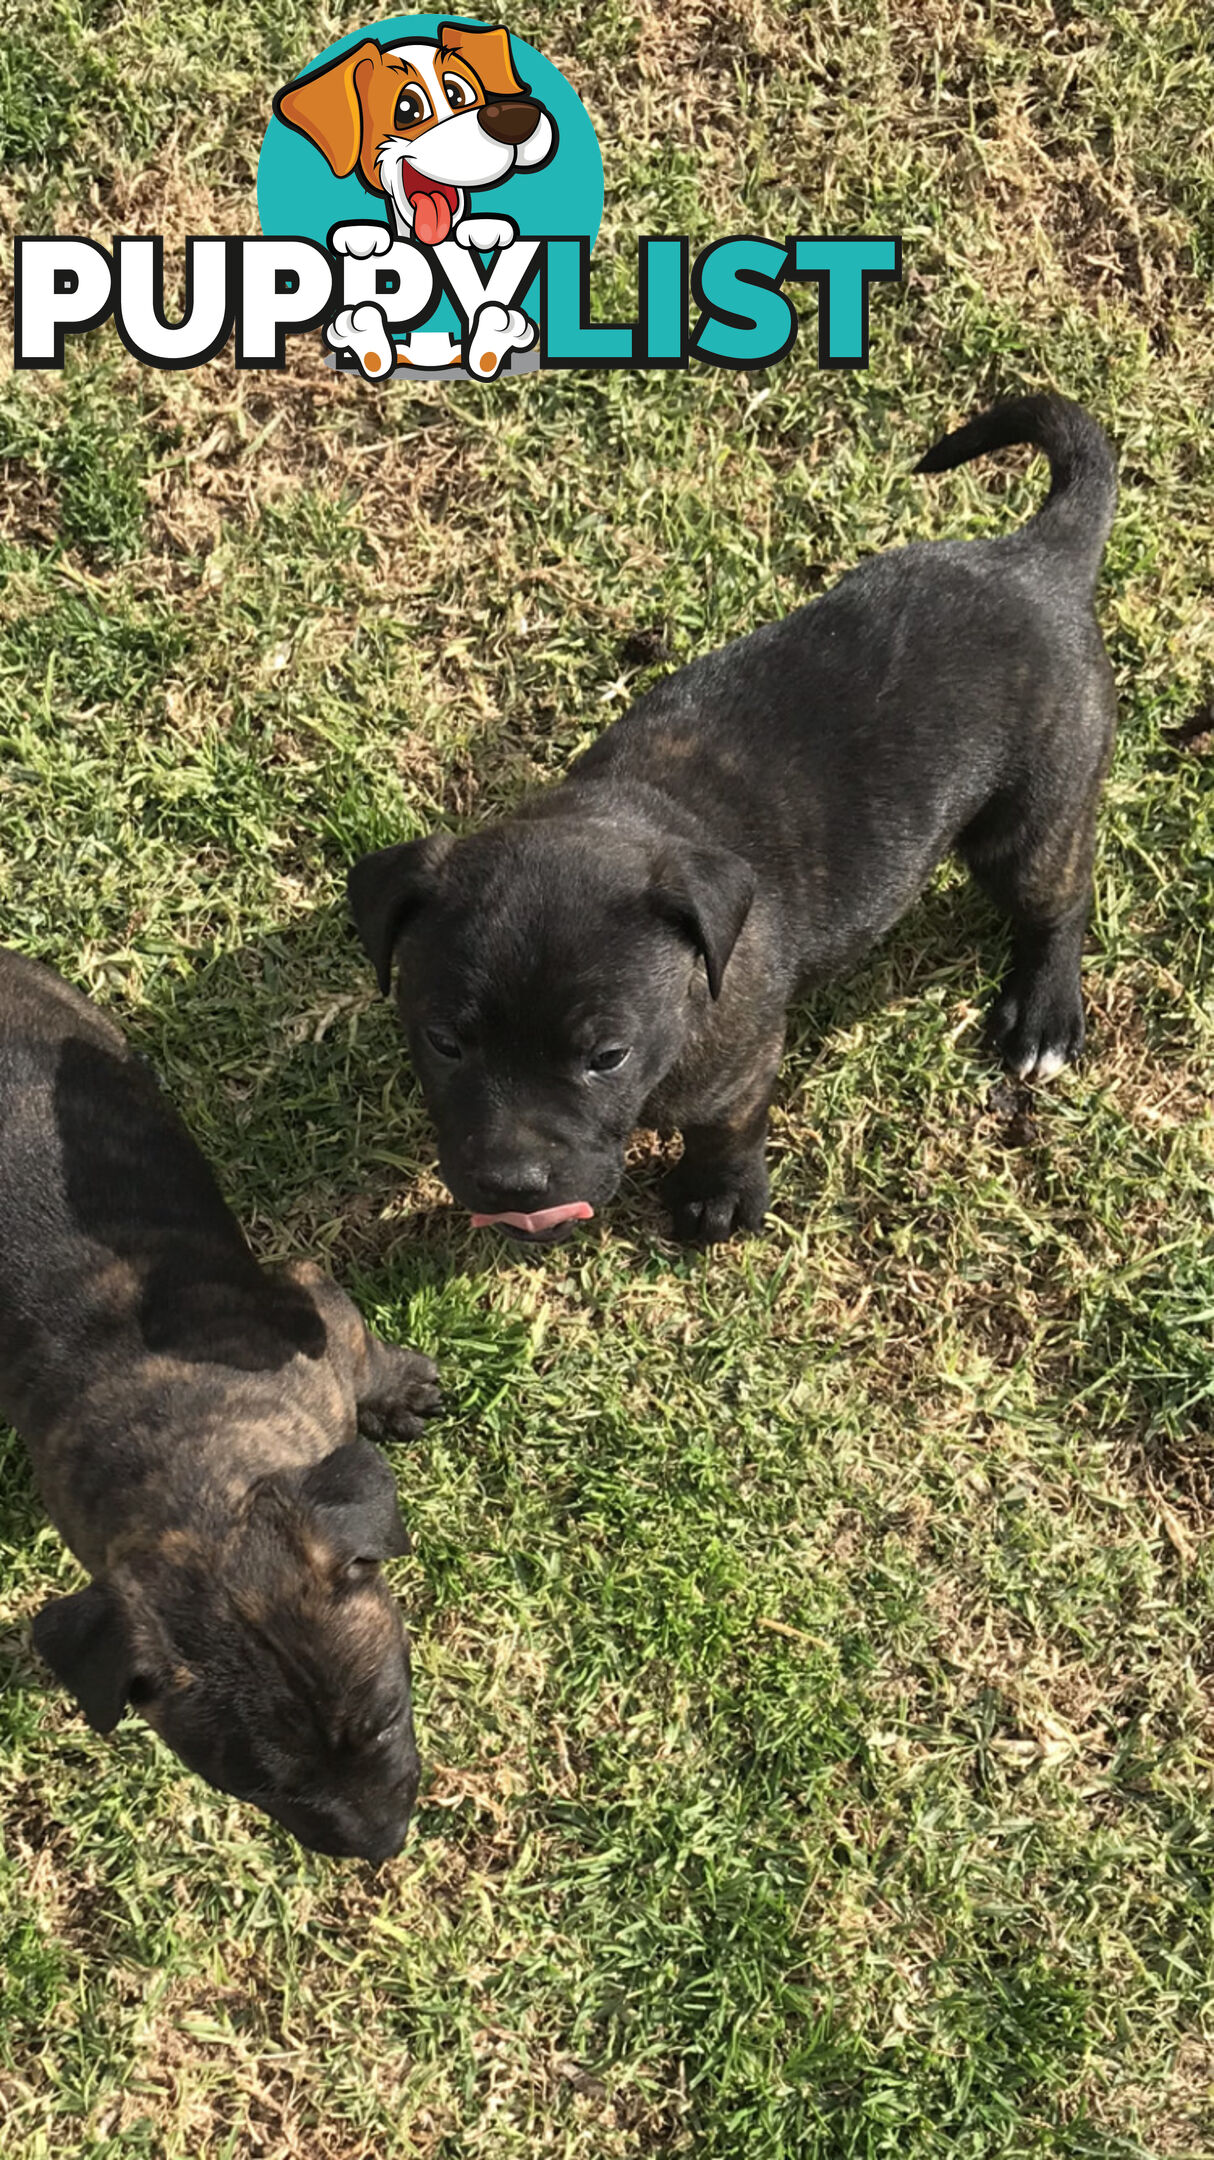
(518, 1184)
(512, 123)
(384, 1843)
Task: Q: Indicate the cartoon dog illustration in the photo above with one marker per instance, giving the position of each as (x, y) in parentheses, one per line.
(424, 123)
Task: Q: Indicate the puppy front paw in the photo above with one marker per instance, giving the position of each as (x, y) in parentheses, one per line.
(710, 1204)
(1037, 1025)
(403, 1394)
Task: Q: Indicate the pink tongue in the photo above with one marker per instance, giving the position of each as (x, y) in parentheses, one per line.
(431, 218)
(546, 1219)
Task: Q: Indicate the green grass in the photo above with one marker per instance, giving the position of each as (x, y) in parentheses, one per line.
(811, 1641)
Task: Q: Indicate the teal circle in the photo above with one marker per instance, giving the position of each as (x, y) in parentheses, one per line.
(297, 194)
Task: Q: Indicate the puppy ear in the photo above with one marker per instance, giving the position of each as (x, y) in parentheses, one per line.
(707, 893)
(353, 1492)
(386, 888)
(488, 54)
(326, 106)
(89, 1644)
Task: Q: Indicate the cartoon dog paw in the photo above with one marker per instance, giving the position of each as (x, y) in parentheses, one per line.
(496, 333)
(360, 240)
(486, 232)
(364, 331)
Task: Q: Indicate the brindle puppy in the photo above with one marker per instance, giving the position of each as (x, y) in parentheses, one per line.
(623, 949)
(192, 1422)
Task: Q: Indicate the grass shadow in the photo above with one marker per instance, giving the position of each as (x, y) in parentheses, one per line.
(286, 1065)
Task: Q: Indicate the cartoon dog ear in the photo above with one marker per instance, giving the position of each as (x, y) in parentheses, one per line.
(387, 887)
(706, 893)
(488, 54)
(353, 1492)
(326, 106)
(89, 1643)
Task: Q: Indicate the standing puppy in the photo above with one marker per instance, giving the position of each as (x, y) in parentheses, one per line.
(622, 951)
(192, 1420)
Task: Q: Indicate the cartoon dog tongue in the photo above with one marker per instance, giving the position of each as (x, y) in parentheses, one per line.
(432, 207)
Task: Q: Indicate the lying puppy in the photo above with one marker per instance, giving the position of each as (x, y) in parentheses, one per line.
(622, 950)
(192, 1423)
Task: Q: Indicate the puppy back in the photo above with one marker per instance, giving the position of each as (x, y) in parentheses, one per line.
(115, 1241)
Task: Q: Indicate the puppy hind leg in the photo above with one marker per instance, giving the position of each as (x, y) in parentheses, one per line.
(394, 1390)
(1044, 884)
(397, 1391)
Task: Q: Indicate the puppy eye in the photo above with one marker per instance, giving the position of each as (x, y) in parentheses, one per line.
(411, 106)
(444, 1044)
(361, 1570)
(459, 93)
(366, 1739)
(610, 1058)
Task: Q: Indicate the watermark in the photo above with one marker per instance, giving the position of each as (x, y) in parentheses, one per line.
(430, 191)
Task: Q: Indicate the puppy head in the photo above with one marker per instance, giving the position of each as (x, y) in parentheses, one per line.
(422, 121)
(273, 1662)
(548, 972)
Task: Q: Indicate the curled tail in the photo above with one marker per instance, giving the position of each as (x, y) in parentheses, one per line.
(1078, 511)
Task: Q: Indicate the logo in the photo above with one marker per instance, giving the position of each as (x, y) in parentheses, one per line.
(430, 191)
(435, 159)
